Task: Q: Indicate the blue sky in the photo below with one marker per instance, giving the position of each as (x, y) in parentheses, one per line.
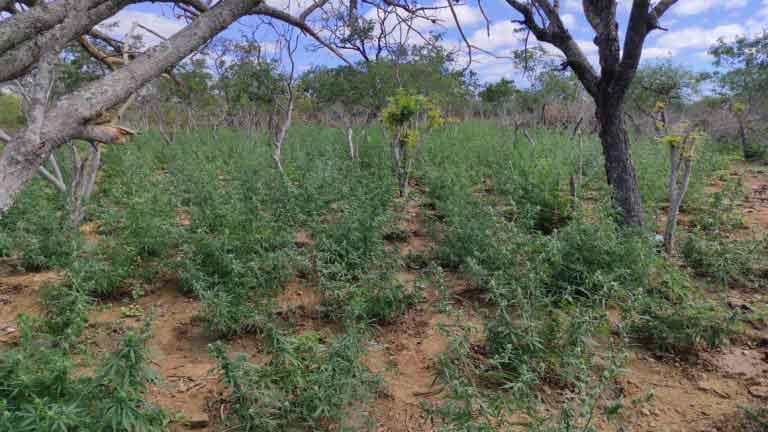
(693, 25)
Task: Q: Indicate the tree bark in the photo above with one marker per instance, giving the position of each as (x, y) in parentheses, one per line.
(619, 169)
(676, 195)
(351, 143)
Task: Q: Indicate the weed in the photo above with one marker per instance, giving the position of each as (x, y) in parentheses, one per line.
(682, 329)
(307, 382)
(725, 260)
(377, 298)
(722, 212)
(42, 389)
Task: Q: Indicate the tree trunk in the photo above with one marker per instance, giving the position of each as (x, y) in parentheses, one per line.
(746, 150)
(676, 195)
(351, 143)
(619, 168)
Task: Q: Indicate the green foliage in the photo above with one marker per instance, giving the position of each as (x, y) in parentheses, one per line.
(745, 64)
(682, 329)
(725, 260)
(756, 419)
(378, 298)
(308, 382)
(550, 346)
(43, 390)
(721, 213)
(250, 79)
(365, 88)
(211, 211)
(599, 261)
(36, 231)
(407, 112)
(66, 306)
(498, 93)
(664, 82)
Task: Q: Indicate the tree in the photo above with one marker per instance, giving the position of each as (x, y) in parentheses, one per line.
(284, 112)
(673, 86)
(745, 82)
(682, 151)
(345, 91)
(407, 117)
(498, 94)
(32, 39)
(608, 88)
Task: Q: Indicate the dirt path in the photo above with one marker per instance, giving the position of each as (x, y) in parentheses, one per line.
(20, 294)
(755, 209)
(405, 353)
(178, 348)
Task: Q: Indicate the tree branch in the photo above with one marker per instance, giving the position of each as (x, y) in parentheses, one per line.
(556, 34)
(641, 23)
(264, 9)
(311, 9)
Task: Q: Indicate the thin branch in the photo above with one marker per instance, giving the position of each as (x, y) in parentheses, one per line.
(312, 8)
(461, 32)
(57, 183)
(485, 17)
(264, 9)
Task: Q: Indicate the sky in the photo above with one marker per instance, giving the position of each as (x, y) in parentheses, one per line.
(693, 26)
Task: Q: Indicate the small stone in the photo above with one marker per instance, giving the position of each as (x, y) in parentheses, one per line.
(198, 421)
(645, 412)
(759, 391)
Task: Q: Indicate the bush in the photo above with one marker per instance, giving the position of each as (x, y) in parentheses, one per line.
(682, 329)
(308, 383)
(597, 260)
(722, 212)
(43, 389)
(726, 261)
(547, 345)
(66, 307)
(378, 298)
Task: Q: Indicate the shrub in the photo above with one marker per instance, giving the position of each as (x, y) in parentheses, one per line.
(681, 329)
(722, 212)
(66, 306)
(308, 383)
(724, 260)
(43, 389)
(547, 345)
(597, 260)
(377, 298)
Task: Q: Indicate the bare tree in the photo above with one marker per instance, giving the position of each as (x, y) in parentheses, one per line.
(682, 149)
(609, 87)
(287, 110)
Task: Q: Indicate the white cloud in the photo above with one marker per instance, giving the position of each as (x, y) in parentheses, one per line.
(695, 7)
(468, 16)
(651, 53)
(587, 47)
(569, 20)
(502, 34)
(699, 37)
(120, 25)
